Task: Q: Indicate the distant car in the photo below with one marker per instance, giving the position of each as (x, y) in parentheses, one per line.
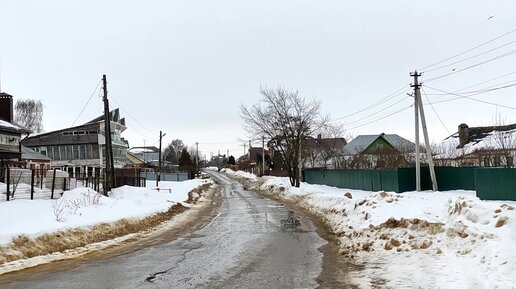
(204, 176)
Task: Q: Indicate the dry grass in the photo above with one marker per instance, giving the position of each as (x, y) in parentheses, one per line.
(501, 221)
(24, 247)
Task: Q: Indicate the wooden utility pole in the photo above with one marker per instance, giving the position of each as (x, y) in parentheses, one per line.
(197, 158)
(110, 171)
(263, 155)
(158, 175)
(419, 110)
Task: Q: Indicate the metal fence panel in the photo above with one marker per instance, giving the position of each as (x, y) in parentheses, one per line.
(495, 183)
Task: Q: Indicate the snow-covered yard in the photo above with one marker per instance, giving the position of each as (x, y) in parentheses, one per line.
(416, 239)
(23, 220)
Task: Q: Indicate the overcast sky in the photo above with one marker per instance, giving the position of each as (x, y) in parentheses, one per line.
(184, 67)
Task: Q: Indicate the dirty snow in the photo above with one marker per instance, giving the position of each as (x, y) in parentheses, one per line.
(83, 207)
(427, 239)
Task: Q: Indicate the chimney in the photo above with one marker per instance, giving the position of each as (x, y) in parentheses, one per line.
(6, 107)
(463, 134)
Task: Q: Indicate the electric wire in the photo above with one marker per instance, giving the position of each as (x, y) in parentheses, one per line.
(471, 57)
(89, 99)
(472, 66)
(467, 97)
(376, 112)
(477, 84)
(381, 118)
(128, 127)
(499, 86)
(385, 99)
(435, 111)
(131, 116)
(468, 50)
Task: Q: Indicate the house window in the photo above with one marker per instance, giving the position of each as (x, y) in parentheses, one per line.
(379, 146)
(75, 152)
(487, 163)
(82, 152)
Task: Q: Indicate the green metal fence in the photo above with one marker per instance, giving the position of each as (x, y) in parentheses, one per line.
(490, 183)
(495, 183)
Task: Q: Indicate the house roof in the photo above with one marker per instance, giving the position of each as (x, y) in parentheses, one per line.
(114, 117)
(255, 152)
(134, 159)
(139, 150)
(480, 138)
(12, 127)
(362, 142)
(325, 142)
(30, 154)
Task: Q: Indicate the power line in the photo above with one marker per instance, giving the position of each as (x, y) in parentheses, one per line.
(468, 97)
(435, 111)
(472, 66)
(376, 112)
(468, 50)
(471, 57)
(131, 116)
(131, 128)
(381, 118)
(480, 83)
(481, 91)
(89, 99)
(387, 98)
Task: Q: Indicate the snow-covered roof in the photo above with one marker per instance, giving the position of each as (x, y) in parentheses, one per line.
(488, 140)
(139, 150)
(5, 125)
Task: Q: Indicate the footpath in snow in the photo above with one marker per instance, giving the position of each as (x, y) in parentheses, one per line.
(80, 217)
(427, 239)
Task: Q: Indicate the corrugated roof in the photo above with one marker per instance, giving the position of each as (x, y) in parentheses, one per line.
(30, 154)
(362, 142)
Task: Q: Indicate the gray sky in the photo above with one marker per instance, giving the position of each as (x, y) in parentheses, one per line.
(184, 67)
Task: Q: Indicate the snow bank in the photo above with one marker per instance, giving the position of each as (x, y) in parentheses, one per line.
(415, 239)
(83, 207)
(242, 174)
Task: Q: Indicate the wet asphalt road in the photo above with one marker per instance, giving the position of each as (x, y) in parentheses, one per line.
(243, 246)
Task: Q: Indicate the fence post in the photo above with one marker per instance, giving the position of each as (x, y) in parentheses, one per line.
(32, 184)
(8, 182)
(97, 185)
(42, 177)
(53, 184)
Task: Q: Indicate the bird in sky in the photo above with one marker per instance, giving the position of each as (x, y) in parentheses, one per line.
(490, 17)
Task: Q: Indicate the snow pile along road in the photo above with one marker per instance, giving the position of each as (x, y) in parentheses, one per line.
(415, 239)
(30, 228)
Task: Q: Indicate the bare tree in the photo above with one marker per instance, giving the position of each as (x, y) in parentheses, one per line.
(502, 143)
(173, 151)
(286, 119)
(331, 147)
(29, 114)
